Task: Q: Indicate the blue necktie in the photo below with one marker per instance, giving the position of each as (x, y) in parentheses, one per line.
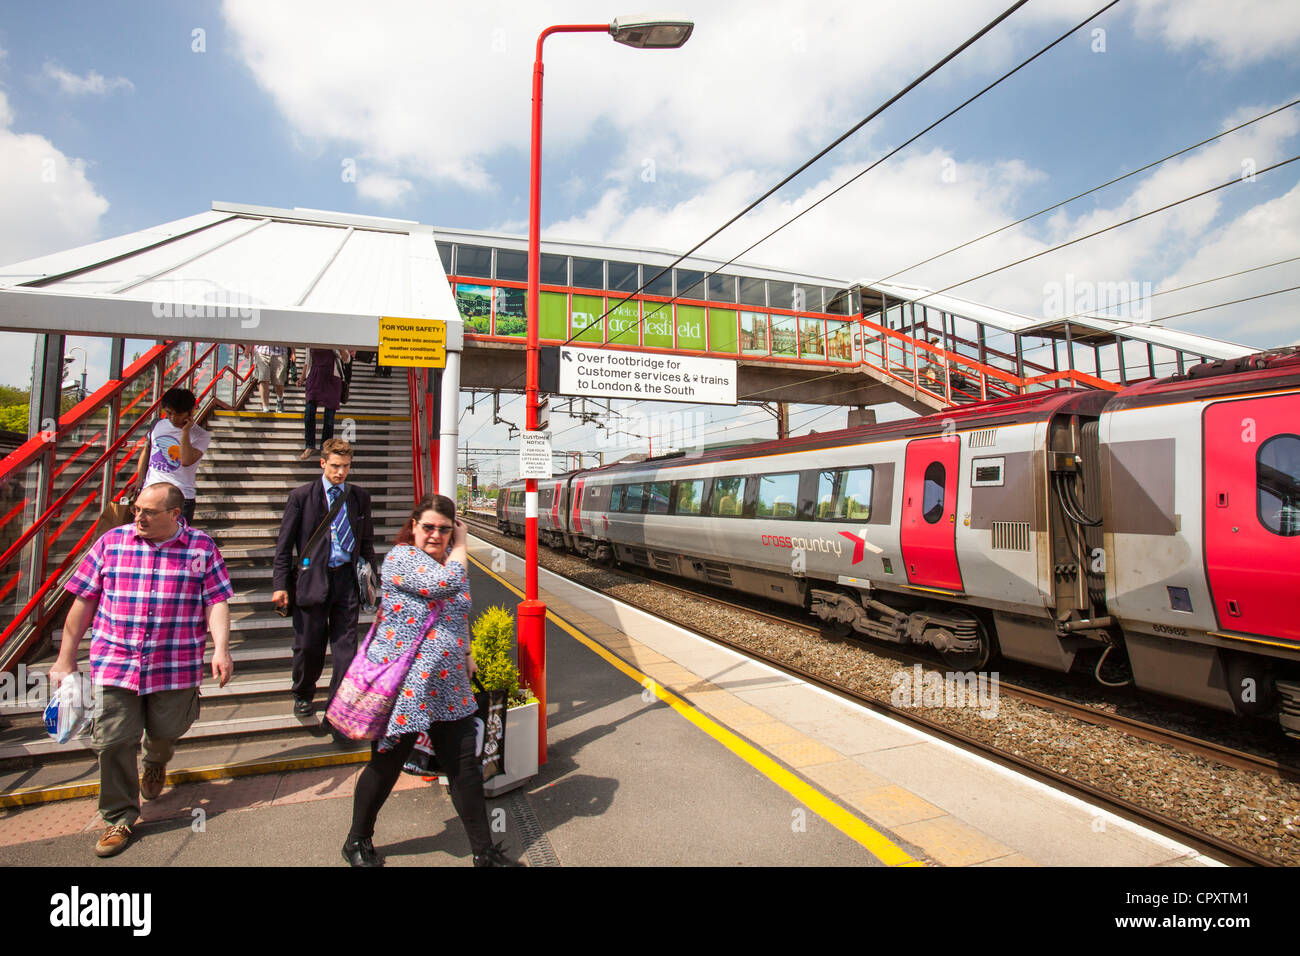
(340, 528)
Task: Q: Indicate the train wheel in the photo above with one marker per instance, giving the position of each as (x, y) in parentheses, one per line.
(837, 629)
(972, 660)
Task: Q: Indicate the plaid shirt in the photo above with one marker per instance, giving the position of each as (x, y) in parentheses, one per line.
(149, 630)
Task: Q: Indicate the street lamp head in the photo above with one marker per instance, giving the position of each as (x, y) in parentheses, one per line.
(651, 32)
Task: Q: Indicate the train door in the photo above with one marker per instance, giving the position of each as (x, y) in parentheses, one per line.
(556, 505)
(929, 529)
(576, 522)
(1252, 514)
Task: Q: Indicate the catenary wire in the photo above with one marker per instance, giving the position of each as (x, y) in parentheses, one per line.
(1098, 232)
(1064, 202)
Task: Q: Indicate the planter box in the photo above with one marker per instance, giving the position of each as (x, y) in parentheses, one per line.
(521, 751)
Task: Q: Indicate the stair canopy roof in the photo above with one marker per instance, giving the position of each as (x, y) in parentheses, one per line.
(239, 273)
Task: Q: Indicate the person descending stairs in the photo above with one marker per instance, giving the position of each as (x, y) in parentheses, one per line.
(243, 482)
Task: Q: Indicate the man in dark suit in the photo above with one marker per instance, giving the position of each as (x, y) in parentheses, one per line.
(326, 600)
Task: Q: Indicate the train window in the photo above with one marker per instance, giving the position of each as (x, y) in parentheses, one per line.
(932, 499)
(845, 494)
(856, 494)
(658, 492)
(728, 497)
(616, 498)
(828, 496)
(1277, 474)
(778, 495)
(632, 499)
(690, 494)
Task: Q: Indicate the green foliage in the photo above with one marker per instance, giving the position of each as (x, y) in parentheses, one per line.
(493, 639)
(14, 418)
(13, 395)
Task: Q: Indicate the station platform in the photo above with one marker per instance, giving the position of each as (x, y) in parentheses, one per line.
(664, 749)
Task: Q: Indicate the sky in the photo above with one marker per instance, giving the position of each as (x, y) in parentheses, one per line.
(116, 117)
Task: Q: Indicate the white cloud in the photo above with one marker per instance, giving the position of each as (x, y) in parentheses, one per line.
(442, 96)
(49, 194)
(92, 83)
(1245, 31)
(385, 189)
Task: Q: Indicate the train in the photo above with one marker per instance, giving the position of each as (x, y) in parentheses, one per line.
(1157, 527)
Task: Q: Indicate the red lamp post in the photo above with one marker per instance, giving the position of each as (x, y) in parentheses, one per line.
(643, 33)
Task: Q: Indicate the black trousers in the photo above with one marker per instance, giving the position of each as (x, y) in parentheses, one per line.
(453, 745)
(332, 623)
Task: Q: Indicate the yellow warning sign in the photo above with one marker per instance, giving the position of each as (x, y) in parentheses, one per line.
(412, 343)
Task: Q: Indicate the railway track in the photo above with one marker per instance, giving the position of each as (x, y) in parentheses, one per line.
(1216, 847)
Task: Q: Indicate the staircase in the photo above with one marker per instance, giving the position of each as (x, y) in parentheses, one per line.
(245, 478)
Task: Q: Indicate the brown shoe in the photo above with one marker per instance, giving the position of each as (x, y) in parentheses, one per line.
(153, 780)
(113, 840)
(306, 453)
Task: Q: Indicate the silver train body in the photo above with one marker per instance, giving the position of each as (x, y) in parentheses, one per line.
(1159, 524)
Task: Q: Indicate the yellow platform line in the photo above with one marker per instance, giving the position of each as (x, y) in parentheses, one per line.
(850, 825)
(37, 795)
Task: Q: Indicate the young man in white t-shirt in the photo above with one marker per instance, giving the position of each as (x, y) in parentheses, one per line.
(174, 448)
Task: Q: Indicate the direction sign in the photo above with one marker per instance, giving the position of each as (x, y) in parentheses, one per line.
(535, 455)
(605, 373)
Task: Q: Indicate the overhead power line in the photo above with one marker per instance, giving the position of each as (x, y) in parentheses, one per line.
(1109, 182)
(1098, 232)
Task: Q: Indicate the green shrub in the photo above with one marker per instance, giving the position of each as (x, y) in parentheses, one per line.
(493, 638)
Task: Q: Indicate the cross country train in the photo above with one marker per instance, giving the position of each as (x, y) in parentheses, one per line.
(1160, 523)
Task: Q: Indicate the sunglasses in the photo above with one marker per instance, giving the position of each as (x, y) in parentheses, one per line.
(437, 528)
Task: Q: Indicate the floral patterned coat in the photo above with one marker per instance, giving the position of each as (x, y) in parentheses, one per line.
(437, 687)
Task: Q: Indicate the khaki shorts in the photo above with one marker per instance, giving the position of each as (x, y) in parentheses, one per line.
(271, 368)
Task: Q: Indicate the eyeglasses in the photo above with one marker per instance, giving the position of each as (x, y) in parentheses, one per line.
(150, 512)
(437, 528)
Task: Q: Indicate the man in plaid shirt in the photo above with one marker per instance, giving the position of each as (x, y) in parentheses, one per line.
(154, 588)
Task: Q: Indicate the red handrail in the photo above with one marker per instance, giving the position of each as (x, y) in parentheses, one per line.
(30, 450)
(36, 446)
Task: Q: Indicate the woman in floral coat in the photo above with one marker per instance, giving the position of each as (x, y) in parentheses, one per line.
(426, 574)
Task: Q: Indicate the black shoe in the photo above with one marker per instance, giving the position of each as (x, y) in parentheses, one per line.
(494, 857)
(361, 853)
(303, 707)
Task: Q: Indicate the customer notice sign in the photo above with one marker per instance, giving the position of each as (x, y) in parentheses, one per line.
(606, 373)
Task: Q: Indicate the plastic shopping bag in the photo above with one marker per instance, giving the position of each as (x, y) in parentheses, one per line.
(71, 707)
